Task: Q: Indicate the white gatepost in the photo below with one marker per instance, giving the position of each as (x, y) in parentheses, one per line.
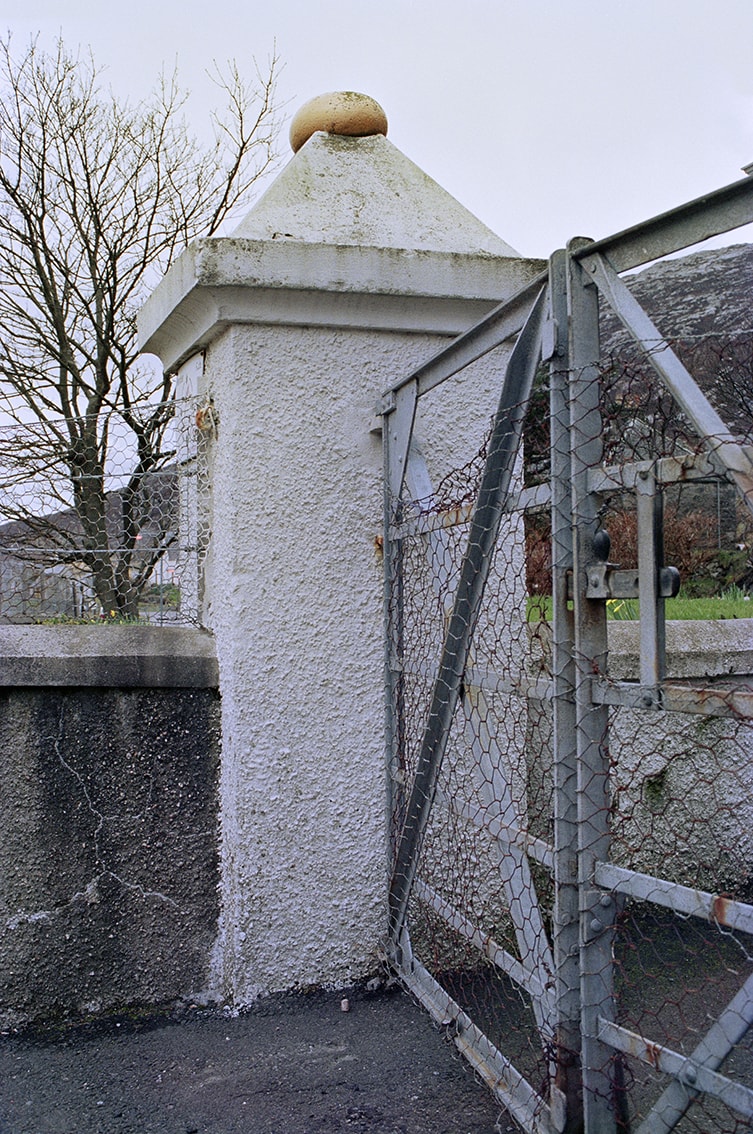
(352, 269)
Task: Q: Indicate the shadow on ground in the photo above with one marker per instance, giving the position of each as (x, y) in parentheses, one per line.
(291, 1065)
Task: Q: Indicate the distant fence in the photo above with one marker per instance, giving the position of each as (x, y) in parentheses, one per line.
(150, 533)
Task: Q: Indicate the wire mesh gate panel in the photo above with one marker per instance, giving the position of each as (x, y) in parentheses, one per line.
(572, 827)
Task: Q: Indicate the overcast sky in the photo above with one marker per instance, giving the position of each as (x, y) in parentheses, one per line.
(547, 118)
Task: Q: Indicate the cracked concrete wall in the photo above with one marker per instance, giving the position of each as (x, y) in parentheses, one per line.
(108, 808)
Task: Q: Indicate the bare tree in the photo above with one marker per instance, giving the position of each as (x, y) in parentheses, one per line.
(97, 199)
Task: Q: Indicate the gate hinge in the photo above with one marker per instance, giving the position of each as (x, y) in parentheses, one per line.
(597, 915)
(387, 404)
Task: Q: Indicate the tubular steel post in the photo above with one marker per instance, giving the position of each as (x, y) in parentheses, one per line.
(567, 1085)
(397, 426)
(590, 654)
(575, 1010)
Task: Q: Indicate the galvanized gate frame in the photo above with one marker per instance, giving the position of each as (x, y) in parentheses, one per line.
(555, 319)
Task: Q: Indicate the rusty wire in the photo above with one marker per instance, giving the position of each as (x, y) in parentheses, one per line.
(680, 795)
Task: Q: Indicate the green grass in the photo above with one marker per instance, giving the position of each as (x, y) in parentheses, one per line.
(734, 603)
(684, 609)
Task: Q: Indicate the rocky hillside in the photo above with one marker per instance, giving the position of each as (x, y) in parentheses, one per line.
(703, 303)
(706, 293)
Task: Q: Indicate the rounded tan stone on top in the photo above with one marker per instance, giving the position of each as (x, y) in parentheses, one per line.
(339, 112)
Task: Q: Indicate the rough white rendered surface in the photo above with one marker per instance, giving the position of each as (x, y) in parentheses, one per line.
(350, 272)
(293, 592)
(364, 191)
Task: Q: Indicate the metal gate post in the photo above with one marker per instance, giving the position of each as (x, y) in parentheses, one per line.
(398, 415)
(590, 654)
(567, 1088)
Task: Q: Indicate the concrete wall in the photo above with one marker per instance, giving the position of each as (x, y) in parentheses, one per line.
(108, 809)
(109, 805)
(684, 808)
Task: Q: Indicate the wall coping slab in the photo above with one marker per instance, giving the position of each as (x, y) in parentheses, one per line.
(177, 657)
(218, 282)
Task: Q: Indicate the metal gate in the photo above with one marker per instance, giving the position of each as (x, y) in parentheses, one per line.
(572, 842)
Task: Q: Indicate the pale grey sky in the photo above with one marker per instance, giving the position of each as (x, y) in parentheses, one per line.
(546, 118)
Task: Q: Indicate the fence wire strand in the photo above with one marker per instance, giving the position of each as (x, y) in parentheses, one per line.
(677, 810)
(63, 528)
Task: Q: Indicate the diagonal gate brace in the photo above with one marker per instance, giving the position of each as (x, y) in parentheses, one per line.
(735, 457)
(484, 528)
(495, 790)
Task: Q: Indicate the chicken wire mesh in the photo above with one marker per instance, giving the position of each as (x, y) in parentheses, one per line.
(482, 898)
(664, 938)
(114, 536)
(678, 836)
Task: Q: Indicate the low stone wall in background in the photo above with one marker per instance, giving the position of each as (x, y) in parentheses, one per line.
(682, 783)
(108, 811)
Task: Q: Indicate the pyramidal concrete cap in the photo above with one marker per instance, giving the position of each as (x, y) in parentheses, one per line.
(348, 185)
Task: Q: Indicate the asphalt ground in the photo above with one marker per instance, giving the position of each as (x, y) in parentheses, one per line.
(290, 1065)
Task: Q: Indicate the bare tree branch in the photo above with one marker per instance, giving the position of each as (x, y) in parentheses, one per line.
(97, 199)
